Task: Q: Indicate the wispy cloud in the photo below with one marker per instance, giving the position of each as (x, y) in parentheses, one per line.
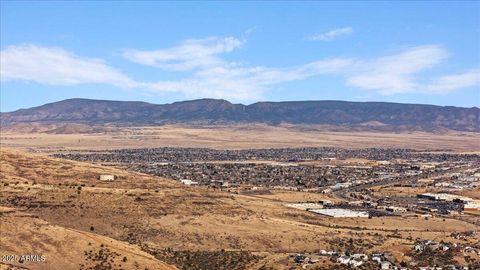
(190, 54)
(396, 73)
(387, 75)
(206, 74)
(56, 66)
(332, 34)
(400, 73)
(212, 76)
(239, 83)
(449, 83)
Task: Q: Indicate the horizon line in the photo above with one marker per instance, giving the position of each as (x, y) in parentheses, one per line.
(221, 99)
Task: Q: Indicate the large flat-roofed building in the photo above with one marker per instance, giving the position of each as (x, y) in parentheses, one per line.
(305, 206)
(472, 206)
(444, 197)
(339, 212)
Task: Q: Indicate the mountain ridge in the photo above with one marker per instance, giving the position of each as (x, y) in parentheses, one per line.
(386, 116)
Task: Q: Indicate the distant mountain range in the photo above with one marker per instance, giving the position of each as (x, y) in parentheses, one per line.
(347, 115)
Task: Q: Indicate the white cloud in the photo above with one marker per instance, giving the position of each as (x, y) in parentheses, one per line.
(397, 73)
(449, 83)
(190, 54)
(332, 34)
(207, 74)
(245, 83)
(56, 66)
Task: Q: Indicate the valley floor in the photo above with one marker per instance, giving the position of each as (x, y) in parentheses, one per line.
(231, 137)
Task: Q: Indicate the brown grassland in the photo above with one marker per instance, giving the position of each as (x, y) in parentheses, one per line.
(59, 209)
(238, 137)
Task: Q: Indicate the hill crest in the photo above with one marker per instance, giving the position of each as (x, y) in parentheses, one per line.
(382, 116)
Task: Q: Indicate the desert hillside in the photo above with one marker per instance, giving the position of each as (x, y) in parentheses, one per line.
(189, 227)
(66, 248)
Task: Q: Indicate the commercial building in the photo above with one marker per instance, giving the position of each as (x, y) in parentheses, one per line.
(339, 212)
(305, 206)
(472, 206)
(444, 197)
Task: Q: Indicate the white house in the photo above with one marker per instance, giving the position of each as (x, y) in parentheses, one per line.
(188, 182)
(385, 265)
(356, 262)
(343, 259)
(107, 177)
(396, 209)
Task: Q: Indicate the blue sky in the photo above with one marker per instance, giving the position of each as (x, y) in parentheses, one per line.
(161, 52)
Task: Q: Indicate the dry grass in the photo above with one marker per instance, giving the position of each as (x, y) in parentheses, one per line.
(66, 248)
(239, 137)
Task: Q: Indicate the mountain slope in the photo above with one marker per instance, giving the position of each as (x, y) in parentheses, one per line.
(369, 115)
